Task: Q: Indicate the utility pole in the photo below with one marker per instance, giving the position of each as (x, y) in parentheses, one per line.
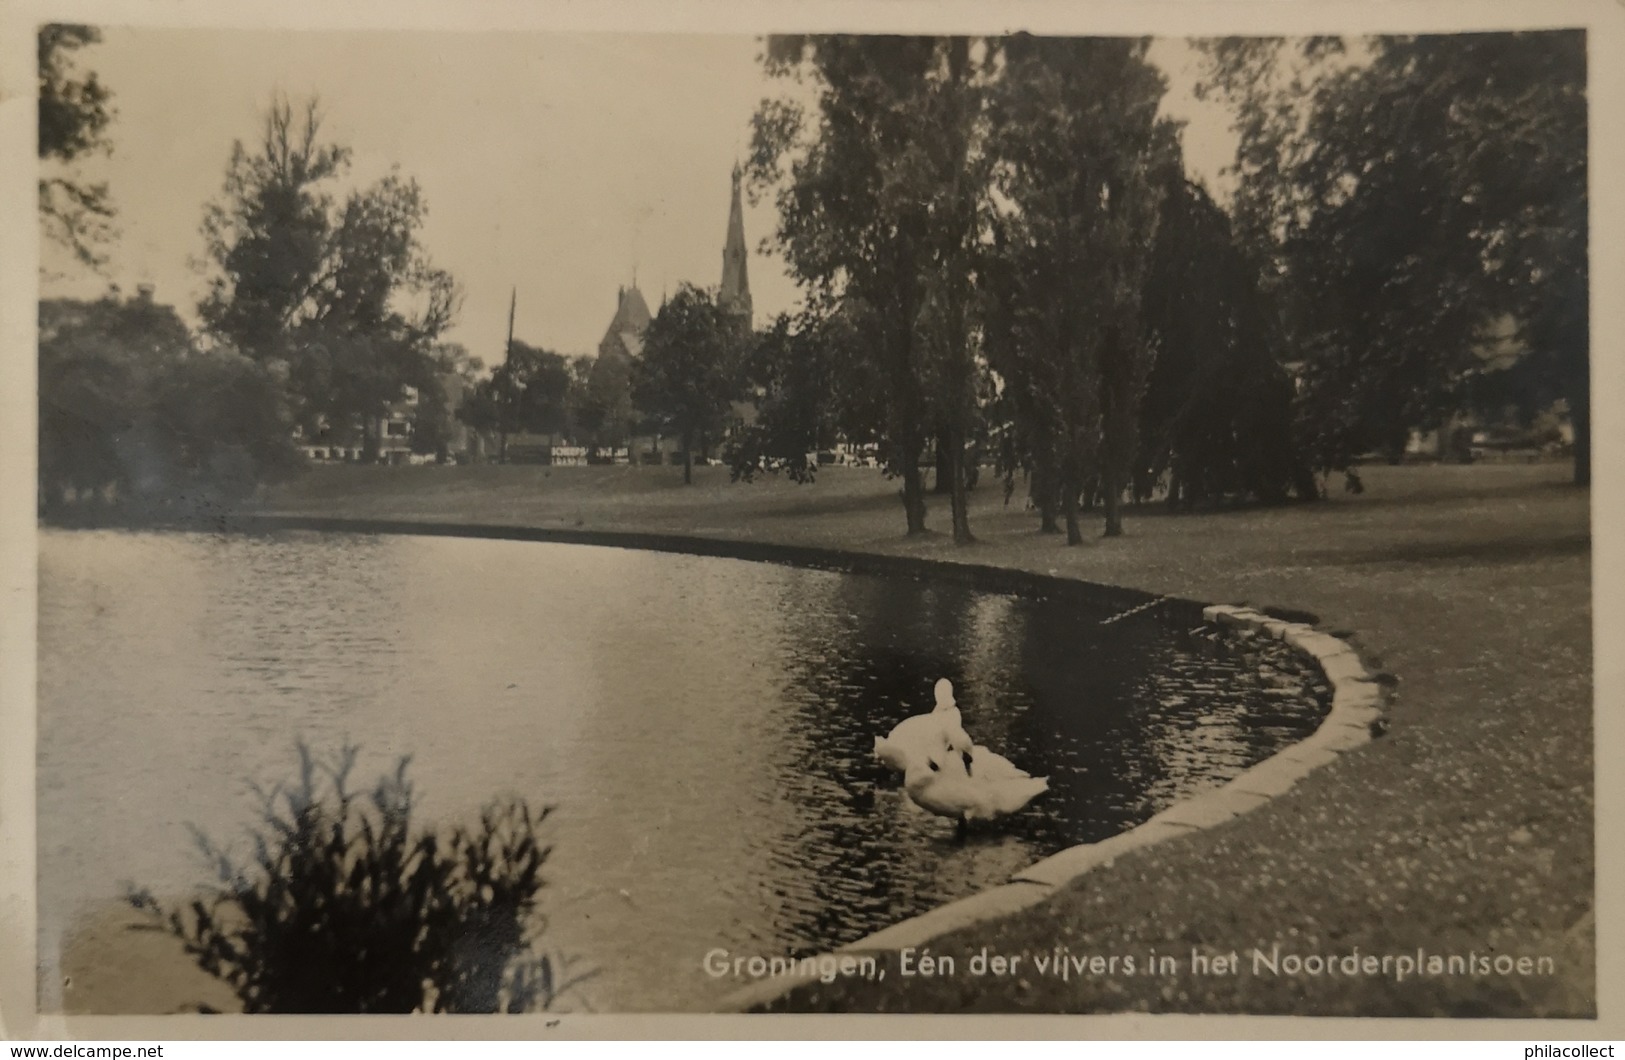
(513, 304)
(507, 357)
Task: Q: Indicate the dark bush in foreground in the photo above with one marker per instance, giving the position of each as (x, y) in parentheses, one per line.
(346, 909)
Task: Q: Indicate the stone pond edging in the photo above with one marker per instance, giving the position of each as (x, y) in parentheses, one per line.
(1356, 707)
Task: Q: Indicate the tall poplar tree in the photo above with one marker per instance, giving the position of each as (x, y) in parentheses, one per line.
(1077, 144)
(878, 212)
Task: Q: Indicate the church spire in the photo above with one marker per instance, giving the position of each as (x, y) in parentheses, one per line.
(735, 294)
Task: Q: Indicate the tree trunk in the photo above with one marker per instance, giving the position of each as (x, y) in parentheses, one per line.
(943, 483)
(1069, 508)
(1112, 497)
(913, 493)
(961, 493)
(905, 463)
(1046, 496)
(502, 446)
(688, 459)
(1143, 484)
(1303, 481)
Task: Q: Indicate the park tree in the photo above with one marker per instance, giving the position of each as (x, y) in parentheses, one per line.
(1270, 85)
(604, 400)
(223, 424)
(1078, 141)
(530, 392)
(790, 385)
(1036, 391)
(1216, 420)
(810, 385)
(435, 417)
(953, 173)
(878, 214)
(99, 363)
(688, 374)
(75, 110)
(481, 413)
(579, 407)
(1411, 192)
(534, 388)
(1523, 162)
(267, 238)
(433, 421)
(340, 295)
(131, 410)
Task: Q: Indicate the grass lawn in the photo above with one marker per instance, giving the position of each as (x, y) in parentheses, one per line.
(1468, 828)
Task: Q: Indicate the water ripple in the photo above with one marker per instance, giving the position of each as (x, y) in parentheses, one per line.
(705, 726)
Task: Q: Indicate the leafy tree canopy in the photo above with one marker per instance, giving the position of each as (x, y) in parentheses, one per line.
(688, 373)
(132, 411)
(74, 112)
(1410, 192)
(1078, 142)
(343, 295)
(809, 385)
(879, 207)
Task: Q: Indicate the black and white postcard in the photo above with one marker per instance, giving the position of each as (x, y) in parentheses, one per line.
(736, 509)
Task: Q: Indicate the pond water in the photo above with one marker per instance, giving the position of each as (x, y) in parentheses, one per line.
(704, 726)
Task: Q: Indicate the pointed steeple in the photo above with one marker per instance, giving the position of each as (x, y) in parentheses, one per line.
(735, 294)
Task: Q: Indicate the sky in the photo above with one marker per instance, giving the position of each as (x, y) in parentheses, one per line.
(557, 166)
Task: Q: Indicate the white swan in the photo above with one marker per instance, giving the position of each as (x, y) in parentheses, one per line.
(986, 764)
(917, 738)
(941, 784)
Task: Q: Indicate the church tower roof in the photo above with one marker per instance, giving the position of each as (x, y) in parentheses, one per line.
(626, 328)
(735, 294)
